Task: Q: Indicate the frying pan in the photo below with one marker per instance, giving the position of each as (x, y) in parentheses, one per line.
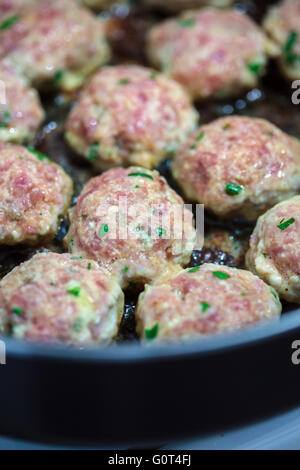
(128, 394)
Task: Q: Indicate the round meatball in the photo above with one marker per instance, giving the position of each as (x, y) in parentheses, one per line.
(132, 223)
(34, 194)
(56, 298)
(283, 25)
(130, 115)
(238, 166)
(179, 5)
(204, 301)
(212, 53)
(274, 253)
(54, 45)
(21, 113)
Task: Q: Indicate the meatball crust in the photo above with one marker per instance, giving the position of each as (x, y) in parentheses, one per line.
(282, 23)
(54, 298)
(55, 45)
(274, 253)
(212, 53)
(132, 223)
(22, 114)
(204, 301)
(34, 194)
(130, 115)
(238, 166)
(179, 5)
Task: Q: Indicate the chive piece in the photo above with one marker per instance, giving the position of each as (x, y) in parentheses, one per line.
(161, 231)
(126, 269)
(291, 41)
(93, 151)
(204, 306)
(103, 230)
(8, 22)
(17, 311)
(137, 186)
(58, 75)
(124, 81)
(153, 75)
(265, 255)
(226, 126)
(284, 225)
(2, 125)
(233, 189)
(77, 325)
(76, 258)
(221, 275)
(193, 270)
(89, 266)
(39, 155)
(200, 136)
(144, 175)
(255, 67)
(187, 22)
(6, 119)
(152, 333)
(192, 147)
(74, 291)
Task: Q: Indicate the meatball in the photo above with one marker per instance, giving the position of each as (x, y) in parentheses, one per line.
(238, 166)
(274, 253)
(179, 5)
(130, 115)
(54, 45)
(283, 25)
(34, 194)
(56, 298)
(21, 115)
(204, 301)
(132, 223)
(212, 53)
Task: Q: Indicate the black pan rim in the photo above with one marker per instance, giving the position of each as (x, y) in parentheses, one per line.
(132, 353)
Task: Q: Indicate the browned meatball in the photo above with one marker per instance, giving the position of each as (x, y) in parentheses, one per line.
(204, 301)
(132, 223)
(34, 194)
(238, 166)
(57, 298)
(274, 253)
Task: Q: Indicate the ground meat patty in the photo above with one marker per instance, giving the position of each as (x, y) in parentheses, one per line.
(130, 115)
(179, 5)
(54, 45)
(21, 113)
(56, 298)
(204, 301)
(238, 166)
(283, 25)
(129, 220)
(34, 194)
(212, 53)
(274, 253)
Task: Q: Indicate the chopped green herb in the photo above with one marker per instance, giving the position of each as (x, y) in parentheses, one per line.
(288, 47)
(153, 75)
(126, 269)
(137, 186)
(187, 22)
(144, 175)
(5, 120)
(77, 325)
(84, 216)
(138, 228)
(194, 269)
(200, 136)
(52, 283)
(284, 225)
(93, 151)
(193, 146)
(76, 257)
(233, 189)
(204, 306)
(89, 266)
(8, 22)
(226, 126)
(161, 231)
(255, 67)
(39, 155)
(124, 81)
(74, 291)
(58, 77)
(265, 255)
(2, 125)
(152, 332)
(103, 230)
(221, 275)
(72, 243)
(17, 311)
